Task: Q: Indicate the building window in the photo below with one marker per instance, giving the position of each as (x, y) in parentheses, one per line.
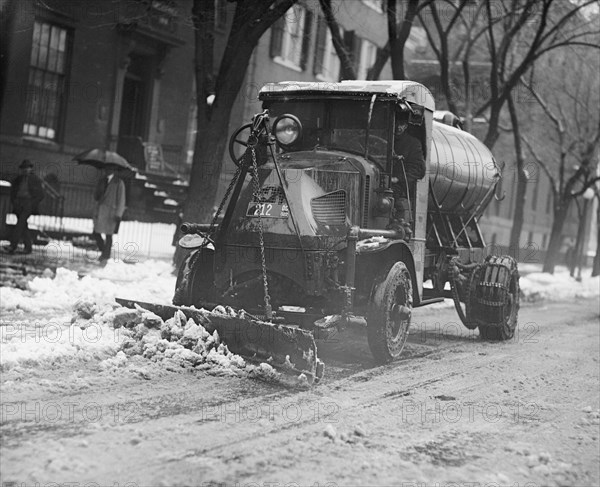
(368, 54)
(544, 240)
(290, 38)
(46, 84)
(327, 64)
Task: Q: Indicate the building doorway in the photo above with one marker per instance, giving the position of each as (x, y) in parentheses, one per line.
(135, 106)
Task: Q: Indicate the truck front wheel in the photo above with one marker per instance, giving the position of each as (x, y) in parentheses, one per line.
(389, 313)
(195, 283)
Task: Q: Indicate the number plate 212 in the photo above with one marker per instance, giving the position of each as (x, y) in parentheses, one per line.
(268, 210)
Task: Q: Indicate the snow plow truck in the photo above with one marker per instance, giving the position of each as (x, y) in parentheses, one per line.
(302, 241)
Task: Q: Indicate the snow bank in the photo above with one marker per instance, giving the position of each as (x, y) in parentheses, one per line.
(152, 280)
(558, 286)
(50, 335)
(50, 342)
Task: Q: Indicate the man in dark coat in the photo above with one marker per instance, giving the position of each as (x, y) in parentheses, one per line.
(26, 193)
(409, 166)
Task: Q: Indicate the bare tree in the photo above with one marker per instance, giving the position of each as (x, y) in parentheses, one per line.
(516, 34)
(251, 20)
(398, 34)
(343, 51)
(441, 42)
(572, 161)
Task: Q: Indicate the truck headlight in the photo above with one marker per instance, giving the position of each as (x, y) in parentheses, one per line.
(287, 129)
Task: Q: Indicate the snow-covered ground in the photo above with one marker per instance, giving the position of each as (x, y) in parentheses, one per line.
(38, 324)
(536, 285)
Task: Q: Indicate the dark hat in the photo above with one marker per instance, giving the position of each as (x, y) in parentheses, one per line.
(25, 163)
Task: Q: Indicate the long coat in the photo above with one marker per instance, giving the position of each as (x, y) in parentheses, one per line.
(36, 190)
(110, 206)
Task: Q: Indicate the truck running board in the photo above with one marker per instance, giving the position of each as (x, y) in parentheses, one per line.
(290, 350)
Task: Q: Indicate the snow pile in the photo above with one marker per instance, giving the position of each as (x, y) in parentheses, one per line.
(41, 330)
(558, 286)
(150, 281)
(181, 342)
(55, 341)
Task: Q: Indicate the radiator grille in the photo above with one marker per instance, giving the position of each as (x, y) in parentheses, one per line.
(330, 209)
(366, 202)
(270, 194)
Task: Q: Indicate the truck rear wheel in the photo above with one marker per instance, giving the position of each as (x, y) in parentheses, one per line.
(496, 303)
(194, 284)
(389, 313)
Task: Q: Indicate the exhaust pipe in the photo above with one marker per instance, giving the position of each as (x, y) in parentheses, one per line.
(197, 228)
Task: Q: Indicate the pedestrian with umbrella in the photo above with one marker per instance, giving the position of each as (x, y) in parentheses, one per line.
(109, 196)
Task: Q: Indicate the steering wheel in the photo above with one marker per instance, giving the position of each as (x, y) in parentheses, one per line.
(239, 139)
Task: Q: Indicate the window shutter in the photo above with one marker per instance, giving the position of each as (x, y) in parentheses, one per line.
(277, 37)
(320, 45)
(306, 33)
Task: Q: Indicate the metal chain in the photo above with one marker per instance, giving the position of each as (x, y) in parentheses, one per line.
(268, 309)
(225, 198)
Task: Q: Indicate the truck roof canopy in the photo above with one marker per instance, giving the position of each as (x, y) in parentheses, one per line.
(412, 91)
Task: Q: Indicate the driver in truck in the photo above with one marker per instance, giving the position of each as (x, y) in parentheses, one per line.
(409, 166)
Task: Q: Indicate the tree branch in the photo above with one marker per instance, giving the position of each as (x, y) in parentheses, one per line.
(542, 164)
(346, 62)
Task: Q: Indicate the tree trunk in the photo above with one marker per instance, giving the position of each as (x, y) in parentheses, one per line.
(521, 193)
(210, 145)
(7, 13)
(560, 215)
(398, 37)
(491, 137)
(580, 250)
(397, 58)
(520, 201)
(596, 265)
(346, 61)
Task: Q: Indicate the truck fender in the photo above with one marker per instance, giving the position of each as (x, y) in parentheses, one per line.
(386, 253)
(193, 241)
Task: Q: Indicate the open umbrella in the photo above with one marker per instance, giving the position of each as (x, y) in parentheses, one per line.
(101, 158)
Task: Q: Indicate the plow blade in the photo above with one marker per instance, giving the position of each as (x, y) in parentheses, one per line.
(288, 349)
